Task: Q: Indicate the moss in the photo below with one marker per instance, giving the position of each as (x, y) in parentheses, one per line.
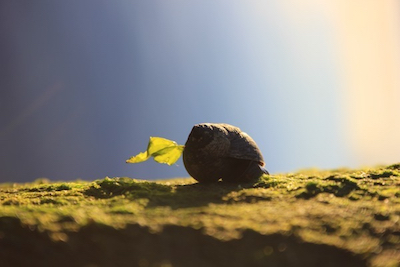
(310, 218)
(110, 187)
(48, 188)
(394, 166)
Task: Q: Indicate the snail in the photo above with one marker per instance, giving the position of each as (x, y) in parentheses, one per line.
(215, 151)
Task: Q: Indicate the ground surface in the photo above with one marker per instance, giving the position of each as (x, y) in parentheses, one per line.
(310, 218)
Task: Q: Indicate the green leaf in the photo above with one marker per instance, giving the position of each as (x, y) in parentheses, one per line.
(143, 156)
(163, 150)
(168, 155)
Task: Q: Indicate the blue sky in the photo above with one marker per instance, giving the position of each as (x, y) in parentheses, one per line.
(87, 82)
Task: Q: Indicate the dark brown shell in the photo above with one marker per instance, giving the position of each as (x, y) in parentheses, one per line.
(242, 146)
(216, 151)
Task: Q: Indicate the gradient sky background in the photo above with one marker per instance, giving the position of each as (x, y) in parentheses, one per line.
(85, 83)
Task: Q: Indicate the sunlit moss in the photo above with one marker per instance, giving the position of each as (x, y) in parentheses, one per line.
(350, 210)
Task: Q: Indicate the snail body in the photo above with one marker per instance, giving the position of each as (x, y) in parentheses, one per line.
(215, 151)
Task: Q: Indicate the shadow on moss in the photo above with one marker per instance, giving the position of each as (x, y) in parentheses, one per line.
(110, 187)
(376, 183)
(101, 245)
(341, 187)
(178, 196)
(48, 188)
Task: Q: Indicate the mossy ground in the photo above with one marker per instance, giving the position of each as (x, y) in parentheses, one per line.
(311, 218)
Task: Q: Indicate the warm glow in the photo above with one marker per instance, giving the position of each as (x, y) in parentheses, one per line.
(368, 35)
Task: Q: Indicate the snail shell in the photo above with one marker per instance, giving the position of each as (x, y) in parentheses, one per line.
(216, 151)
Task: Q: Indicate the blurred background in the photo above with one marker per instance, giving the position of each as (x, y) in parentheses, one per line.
(85, 83)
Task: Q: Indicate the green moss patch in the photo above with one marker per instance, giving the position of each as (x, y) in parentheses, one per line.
(311, 218)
